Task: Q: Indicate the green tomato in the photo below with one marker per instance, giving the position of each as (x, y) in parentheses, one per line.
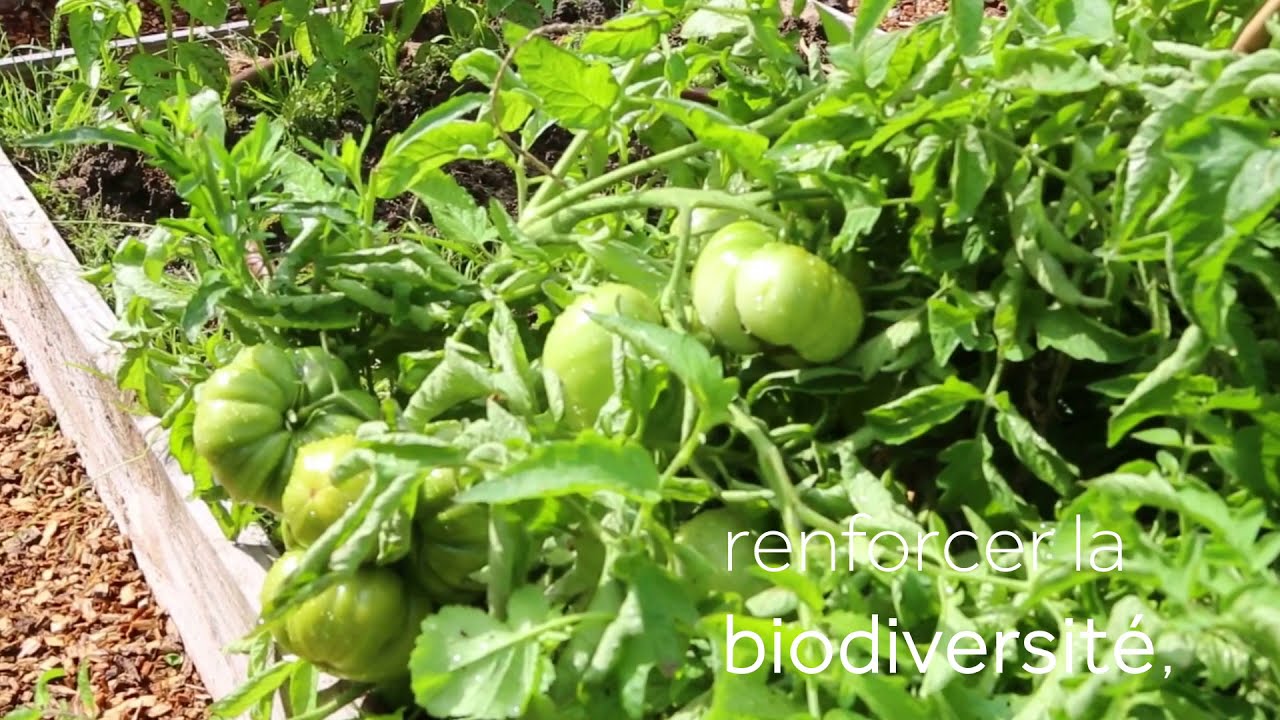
(704, 560)
(253, 413)
(361, 629)
(276, 574)
(750, 291)
(579, 352)
(716, 268)
(450, 542)
(312, 501)
(708, 220)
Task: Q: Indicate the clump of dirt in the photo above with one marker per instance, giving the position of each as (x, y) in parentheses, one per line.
(73, 594)
(807, 29)
(121, 182)
(591, 12)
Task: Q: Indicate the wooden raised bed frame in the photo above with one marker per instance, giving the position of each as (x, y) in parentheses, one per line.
(206, 583)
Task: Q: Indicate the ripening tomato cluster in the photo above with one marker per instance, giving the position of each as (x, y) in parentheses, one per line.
(275, 424)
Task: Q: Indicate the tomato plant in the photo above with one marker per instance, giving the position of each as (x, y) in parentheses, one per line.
(578, 352)
(359, 629)
(254, 413)
(989, 276)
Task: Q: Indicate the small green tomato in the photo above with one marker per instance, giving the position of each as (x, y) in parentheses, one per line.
(579, 352)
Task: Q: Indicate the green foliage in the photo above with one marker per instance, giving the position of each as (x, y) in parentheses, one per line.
(1066, 223)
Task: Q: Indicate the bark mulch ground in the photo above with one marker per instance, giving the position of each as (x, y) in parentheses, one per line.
(70, 592)
(909, 12)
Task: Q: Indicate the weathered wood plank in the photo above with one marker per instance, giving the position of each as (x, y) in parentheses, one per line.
(206, 584)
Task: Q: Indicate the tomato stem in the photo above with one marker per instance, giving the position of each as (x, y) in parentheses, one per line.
(672, 301)
(348, 696)
(578, 193)
(784, 493)
(678, 198)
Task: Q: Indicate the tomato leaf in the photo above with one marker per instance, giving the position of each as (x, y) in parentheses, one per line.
(1084, 338)
(579, 94)
(921, 410)
(469, 664)
(651, 633)
(585, 466)
(1033, 450)
(257, 688)
(689, 359)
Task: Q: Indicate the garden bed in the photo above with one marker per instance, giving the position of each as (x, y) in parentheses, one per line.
(78, 599)
(61, 323)
(123, 190)
(901, 283)
(25, 25)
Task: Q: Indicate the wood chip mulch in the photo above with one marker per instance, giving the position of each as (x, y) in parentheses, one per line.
(70, 592)
(909, 12)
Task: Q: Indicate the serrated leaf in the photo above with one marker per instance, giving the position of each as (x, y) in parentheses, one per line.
(950, 327)
(1045, 71)
(1090, 19)
(971, 171)
(689, 359)
(625, 37)
(870, 15)
(469, 664)
(1034, 451)
(966, 19)
(453, 210)
(719, 132)
(921, 410)
(254, 690)
(1155, 390)
(1083, 338)
(579, 94)
(971, 478)
(585, 466)
(630, 264)
(707, 22)
(457, 379)
(435, 138)
(651, 632)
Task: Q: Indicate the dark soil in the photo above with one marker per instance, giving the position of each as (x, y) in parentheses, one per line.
(585, 11)
(423, 82)
(131, 191)
(26, 22)
(123, 185)
(423, 86)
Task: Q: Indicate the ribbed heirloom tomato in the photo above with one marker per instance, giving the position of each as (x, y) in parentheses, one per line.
(255, 412)
(752, 291)
(361, 629)
(579, 352)
(312, 499)
(450, 542)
